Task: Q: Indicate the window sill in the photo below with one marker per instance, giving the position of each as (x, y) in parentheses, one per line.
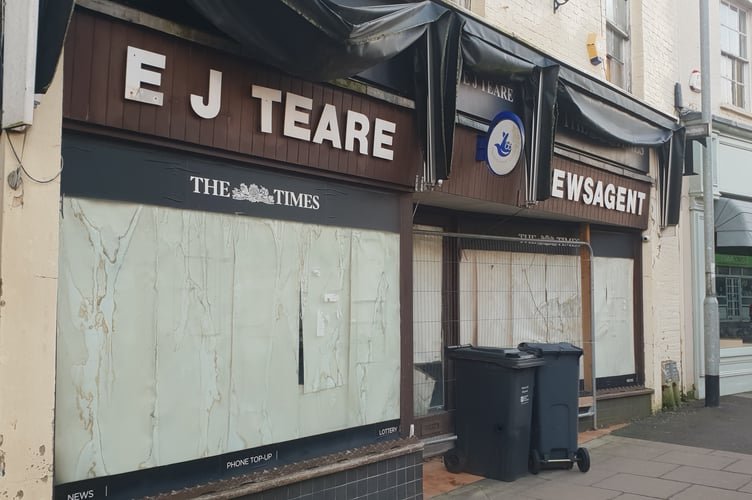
(740, 112)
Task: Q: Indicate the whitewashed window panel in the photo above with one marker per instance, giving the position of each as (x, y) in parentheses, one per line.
(613, 280)
(427, 326)
(512, 297)
(178, 334)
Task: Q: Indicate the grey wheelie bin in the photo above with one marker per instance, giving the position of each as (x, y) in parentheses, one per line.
(555, 408)
(494, 399)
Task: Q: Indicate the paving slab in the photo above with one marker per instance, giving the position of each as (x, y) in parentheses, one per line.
(696, 492)
(707, 477)
(642, 485)
(704, 460)
(693, 424)
(743, 466)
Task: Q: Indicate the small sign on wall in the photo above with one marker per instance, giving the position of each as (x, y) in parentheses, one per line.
(502, 146)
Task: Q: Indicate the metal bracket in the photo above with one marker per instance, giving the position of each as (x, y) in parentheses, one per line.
(559, 3)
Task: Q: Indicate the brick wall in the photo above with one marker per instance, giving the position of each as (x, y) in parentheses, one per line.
(564, 34)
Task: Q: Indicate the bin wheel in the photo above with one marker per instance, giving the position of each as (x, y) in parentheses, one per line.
(454, 461)
(534, 462)
(583, 459)
(569, 466)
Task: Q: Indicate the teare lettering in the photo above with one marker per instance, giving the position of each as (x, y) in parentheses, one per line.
(296, 123)
(374, 137)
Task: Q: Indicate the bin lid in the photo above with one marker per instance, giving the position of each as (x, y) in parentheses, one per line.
(507, 357)
(559, 348)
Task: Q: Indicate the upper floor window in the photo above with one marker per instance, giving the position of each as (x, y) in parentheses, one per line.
(617, 42)
(733, 55)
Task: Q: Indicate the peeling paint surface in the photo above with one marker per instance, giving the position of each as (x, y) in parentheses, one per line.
(178, 334)
(512, 297)
(614, 315)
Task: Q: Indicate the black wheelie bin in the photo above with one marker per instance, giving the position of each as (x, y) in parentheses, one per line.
(494, 399)
(555, 408)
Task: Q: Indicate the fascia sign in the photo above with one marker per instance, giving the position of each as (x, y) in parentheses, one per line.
(502, 145)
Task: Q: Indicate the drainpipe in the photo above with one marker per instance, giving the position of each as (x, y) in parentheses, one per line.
(710, 304)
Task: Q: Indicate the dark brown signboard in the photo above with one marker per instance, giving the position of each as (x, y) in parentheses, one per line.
(579, 191)
(124, 77)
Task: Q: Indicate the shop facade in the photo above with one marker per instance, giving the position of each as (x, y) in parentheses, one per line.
(731, 151)
(494, 266)
(242, 284)
(230, 270)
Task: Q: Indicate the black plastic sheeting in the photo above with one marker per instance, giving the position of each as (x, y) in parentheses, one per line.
(321, 40)
(54, 18)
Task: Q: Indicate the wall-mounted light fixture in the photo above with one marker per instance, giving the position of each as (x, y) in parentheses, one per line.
(559, 3)
(595, 49)
(695, 84)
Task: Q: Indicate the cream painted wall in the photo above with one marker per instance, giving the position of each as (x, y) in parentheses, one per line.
(664, 310)
(28, 291)
(564, 36)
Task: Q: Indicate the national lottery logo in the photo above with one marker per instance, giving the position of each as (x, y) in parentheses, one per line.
(505, 141)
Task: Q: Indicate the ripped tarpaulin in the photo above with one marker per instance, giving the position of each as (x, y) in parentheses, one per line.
(54, 18)
(321, 40)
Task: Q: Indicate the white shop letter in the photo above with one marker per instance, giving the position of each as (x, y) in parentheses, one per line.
(267, 96)
(211, 108)
(136, 74)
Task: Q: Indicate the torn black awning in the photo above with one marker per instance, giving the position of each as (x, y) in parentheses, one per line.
(733, 223)
(597, 120)
(321, 40)
(54, 18)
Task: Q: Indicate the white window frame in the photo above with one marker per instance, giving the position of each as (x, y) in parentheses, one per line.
(622, 33)
(742, 77)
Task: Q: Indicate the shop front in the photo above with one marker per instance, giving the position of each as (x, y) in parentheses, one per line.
(732, 151)
(495, 265)
(230, 286)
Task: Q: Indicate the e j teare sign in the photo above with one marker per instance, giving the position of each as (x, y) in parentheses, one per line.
(370, 137)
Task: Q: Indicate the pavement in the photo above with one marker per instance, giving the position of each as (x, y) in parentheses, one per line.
(692, 453)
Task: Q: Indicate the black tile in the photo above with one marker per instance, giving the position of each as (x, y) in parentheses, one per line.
(306, 487)
(401, 476)
(362, 473)
(411, 489)
(391, 478)
(372, 469)
(383, 483)
(391, 464)
(388, 494)
(362, 488)
(352, 475)
(320, 495)
(352, 489)
(340, 478)
(329, 481)
(372, 484)
(340, 493)
(401, 462)
(293, 490)
(381, 467)
(410, 472)
(401, 491)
